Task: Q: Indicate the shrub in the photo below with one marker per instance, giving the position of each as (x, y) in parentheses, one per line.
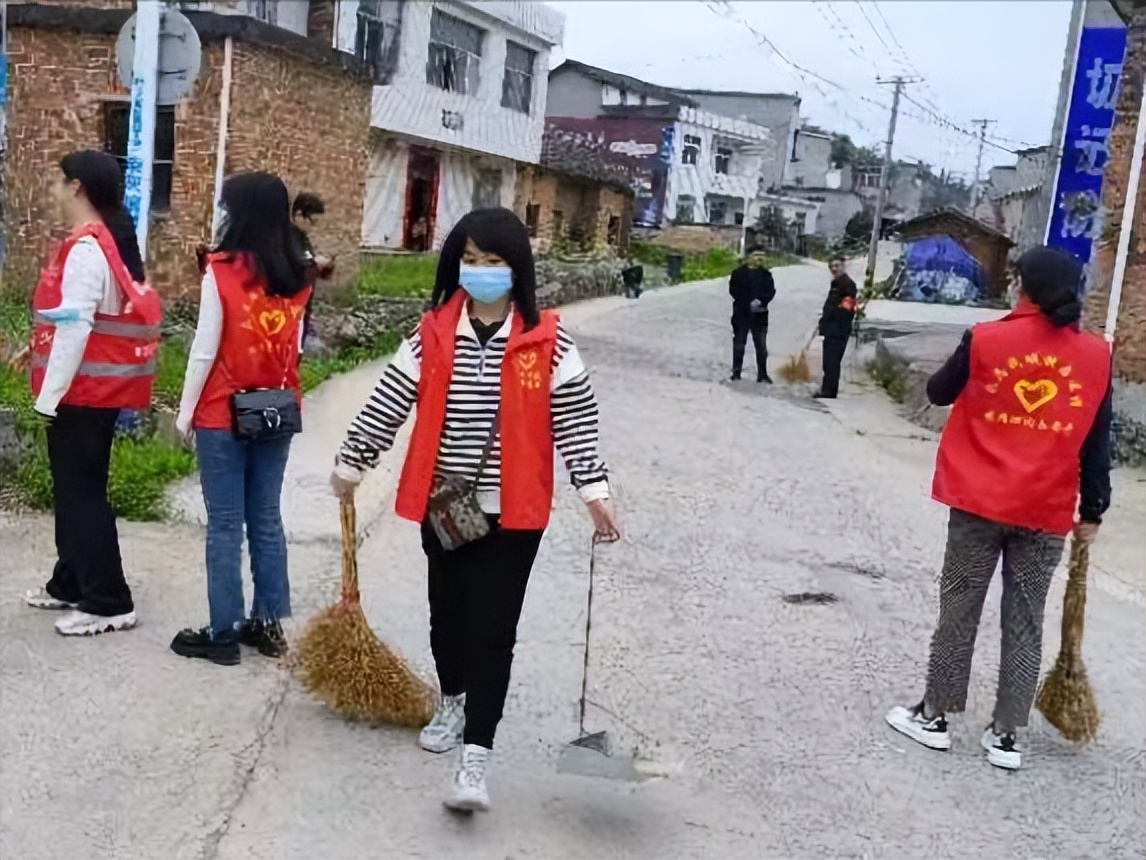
(407, 276)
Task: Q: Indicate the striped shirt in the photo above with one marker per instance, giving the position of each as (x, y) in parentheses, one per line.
(471, 406)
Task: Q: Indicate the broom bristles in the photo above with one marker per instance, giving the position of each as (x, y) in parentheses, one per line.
(340, 661)
(795, 369)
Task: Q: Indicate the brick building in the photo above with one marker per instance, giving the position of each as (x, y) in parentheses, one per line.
(297, 107)
(1130, 332)
(989, 247)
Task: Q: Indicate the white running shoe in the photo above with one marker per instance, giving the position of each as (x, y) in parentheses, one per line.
(468, 792)
(932, 733)
(1002, 751)
(77, 623)
(445, 730)
(40, 599)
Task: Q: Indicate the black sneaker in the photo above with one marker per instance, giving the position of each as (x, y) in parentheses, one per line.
(932, 733)
(735, 377)
(764, 377)
(269, 639)
(202, 644)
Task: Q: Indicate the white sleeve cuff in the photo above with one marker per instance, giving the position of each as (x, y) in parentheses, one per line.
(598, 491)
(348, 473)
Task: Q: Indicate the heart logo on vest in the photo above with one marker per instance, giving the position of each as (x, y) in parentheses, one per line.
(1035, 394)
(527, 372)
(272, 322)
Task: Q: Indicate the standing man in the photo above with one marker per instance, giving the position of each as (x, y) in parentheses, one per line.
(836, 326)
(752, 288)
(305, 212)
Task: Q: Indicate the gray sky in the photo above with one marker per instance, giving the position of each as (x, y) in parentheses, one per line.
(993, 59)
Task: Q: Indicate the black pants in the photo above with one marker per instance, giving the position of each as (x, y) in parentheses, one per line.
(755, 324)
(476, 594)
(89, 571)
(834, 348)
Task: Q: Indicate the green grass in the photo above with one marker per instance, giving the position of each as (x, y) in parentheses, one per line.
(316, 371)
(399, 277)
(716, 262)
(169, 372)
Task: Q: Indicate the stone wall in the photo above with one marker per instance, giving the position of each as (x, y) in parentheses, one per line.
(1130, 332)
(585, 206)
(305, 120)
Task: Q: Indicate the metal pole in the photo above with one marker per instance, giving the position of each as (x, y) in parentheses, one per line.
(3, 126)
(224, 125)
(982, 123)
(1127, 225)
(1058, 130)
(884, 175)
(141, 131)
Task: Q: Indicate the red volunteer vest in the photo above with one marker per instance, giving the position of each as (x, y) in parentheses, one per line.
(1010, 450)
(259, 343)
(118, 366)
(526, 421)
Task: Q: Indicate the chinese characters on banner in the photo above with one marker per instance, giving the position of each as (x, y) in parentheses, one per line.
(1077, 217)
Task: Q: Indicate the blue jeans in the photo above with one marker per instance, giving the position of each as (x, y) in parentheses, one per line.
(242, 483)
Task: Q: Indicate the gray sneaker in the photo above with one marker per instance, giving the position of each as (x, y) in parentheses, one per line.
(468, 793)
(445, 730)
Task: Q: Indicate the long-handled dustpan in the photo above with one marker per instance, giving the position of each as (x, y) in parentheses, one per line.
(593, 754)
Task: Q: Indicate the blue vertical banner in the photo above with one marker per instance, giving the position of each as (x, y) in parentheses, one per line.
(141, 126)
(1077, 216)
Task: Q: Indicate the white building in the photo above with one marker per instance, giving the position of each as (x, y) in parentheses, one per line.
(459, 98)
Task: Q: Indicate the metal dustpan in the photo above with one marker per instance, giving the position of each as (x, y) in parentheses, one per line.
(593, 754)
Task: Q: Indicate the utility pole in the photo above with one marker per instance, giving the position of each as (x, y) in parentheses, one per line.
(884, 177)
(3, 127)
(982, 123)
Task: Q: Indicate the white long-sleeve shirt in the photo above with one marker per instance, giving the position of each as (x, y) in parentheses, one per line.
(87, 288)
(204, 349)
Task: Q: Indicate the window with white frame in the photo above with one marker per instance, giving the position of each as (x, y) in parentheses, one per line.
(517, 85)
(685, 207)
(717, 211)
(454, 54)
(722, 161)
(264, 10)
(691, 152)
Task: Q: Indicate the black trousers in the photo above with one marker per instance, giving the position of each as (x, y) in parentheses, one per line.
(89, 570)
(744, 324)
(834, 348)
(476, 594)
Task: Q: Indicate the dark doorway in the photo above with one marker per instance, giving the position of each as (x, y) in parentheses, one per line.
(421, 199)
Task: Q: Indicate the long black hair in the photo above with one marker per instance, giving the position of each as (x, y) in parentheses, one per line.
(495, 231)
(1051, 278)
(257, 222)
(99, 175)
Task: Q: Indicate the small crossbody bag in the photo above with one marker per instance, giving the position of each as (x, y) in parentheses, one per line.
(454, 512)
(259, 414)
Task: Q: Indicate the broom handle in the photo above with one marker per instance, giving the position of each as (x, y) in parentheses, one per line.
(588, 627)
(349, 551)
(1074, 601)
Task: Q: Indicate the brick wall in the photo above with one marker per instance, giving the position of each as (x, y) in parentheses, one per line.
(306, 121)
(585, 206)
(1130, 333)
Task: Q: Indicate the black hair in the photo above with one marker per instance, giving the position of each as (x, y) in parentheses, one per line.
(1051, 278)
(307, 204)
(99, 175)
(257, 213)
(838, 258)
(495, 231)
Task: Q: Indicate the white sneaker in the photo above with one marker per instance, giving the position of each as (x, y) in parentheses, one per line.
(469, 793)
(445, 730)
(932, 733)
(1002, 751)
(77, 623)
(40, 599)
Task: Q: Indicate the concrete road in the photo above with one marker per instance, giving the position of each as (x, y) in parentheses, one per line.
(766, 714)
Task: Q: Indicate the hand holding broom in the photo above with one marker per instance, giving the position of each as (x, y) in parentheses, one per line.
(1066, 698)
(340, 660)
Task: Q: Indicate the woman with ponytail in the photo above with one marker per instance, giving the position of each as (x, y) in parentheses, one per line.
(93, 353)
(1026, 445)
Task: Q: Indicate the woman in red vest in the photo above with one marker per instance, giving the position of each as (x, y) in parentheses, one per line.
(93, 353)
(253, 299)
(497, 384)
(1028, 441)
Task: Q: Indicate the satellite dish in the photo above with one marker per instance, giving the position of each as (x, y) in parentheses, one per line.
(180, 55)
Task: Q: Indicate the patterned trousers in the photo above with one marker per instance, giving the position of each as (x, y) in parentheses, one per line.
(974, 545)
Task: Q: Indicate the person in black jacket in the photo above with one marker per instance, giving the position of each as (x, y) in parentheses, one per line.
(752, 288)
(836, 326)
(304, 213)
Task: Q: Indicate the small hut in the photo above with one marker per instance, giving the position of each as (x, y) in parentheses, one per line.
(945, 228)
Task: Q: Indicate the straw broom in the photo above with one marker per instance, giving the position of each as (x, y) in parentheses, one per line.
(1066, 698)
(341, 662)
(796, 369)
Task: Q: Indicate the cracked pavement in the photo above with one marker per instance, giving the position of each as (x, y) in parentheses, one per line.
(768, 715)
